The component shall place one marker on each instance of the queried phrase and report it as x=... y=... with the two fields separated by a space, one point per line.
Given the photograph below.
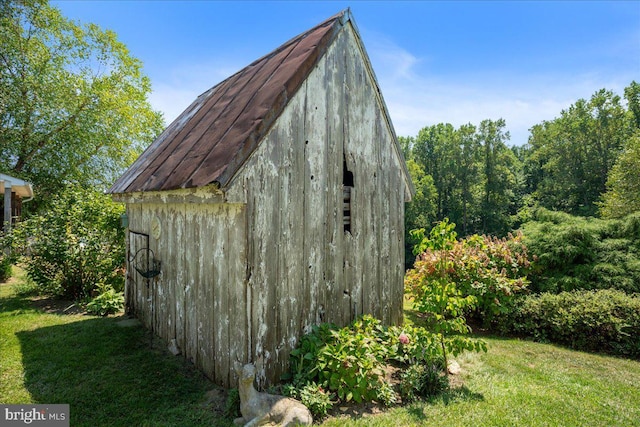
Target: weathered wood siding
x=200 y=298
x=247 y=271
x=303 y=267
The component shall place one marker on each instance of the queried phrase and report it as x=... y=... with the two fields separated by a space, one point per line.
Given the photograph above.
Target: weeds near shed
x=108 y=302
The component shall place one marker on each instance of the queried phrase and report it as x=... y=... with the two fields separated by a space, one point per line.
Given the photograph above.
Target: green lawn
x=520 y=383
x=108 y=374
x=111 y=376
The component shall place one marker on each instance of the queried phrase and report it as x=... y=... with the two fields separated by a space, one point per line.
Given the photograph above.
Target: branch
x=25 y=157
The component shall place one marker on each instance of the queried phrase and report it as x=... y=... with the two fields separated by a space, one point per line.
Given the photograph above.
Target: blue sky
x=454 y=62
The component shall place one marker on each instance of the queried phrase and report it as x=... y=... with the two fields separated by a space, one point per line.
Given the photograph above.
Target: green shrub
x=489 y=270
x=412 y=345
x=603 y=320
x=313 y=397
x=385 y=394
x=452 y=279
x=422 y=381
x=350 y=361
x=352 y=365
x=6 y=264
x=583 y=253
x=74 y=247
x=108 y=302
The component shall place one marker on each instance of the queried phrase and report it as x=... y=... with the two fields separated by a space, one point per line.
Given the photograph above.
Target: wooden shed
x=273 y=203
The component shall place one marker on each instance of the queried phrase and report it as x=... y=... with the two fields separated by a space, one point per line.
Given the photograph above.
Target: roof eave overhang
x=22 y=188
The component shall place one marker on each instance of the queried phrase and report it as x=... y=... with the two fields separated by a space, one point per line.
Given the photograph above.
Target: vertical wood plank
x=315 y=208
x=220 y=283
x=236 y=256
x=168 y=280
x=160 y=284
x=147 y=214
x=301 y=316
x=383 y=212
x=194 y=253
x=338 y=293
x=356 y=141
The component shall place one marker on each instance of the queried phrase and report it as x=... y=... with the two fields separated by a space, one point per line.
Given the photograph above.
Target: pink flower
x=403 y=338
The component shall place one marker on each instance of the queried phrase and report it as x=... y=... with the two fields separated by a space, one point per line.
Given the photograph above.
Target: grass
x=521 y=383
x=112 y=377
x=108 y=374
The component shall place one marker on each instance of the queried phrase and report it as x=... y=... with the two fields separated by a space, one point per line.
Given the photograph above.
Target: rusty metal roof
x=215 y=135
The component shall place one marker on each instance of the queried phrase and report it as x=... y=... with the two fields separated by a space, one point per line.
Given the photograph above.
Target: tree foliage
x=623 y=182
x=473 y=177
x=569 y=158
x=584 y=162
x=421 y=212
x=73 y=101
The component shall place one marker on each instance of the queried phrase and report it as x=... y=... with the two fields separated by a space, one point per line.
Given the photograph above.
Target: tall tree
x=499 y=163
x=473 y=171
x=623 y=185
x=436 y=150
x=632 y=95
x=421 y=211
x=570 y=157
x=468 y=174
x=73 y=101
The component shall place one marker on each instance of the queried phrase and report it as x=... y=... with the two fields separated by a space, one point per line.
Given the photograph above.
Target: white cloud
x=418 y=98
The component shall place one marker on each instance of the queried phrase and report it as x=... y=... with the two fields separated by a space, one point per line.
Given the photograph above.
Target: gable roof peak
x=211 y=140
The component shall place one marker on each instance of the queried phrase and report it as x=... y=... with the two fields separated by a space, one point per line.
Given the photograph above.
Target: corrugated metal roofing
x=214 y=136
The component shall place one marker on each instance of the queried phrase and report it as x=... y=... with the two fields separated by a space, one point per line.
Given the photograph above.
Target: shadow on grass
x=457 y=394
x=111 y=377
x=13 y=304
x=448 y=397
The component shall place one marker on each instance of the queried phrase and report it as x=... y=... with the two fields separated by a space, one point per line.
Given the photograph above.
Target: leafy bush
x=350 y=361
x=313 y=397
x=108 y=302
x=352 y=364
x=583 y=253
x=603 y=320
x=5 y=268
x=422 y=381
x=452 y=279
x=75 y=246
x=8 y=257
x=412 y=345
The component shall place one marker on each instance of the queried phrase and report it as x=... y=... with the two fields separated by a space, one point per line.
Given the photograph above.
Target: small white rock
x=453 y=368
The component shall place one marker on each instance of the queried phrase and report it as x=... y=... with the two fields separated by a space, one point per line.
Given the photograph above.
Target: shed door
x=137 y=291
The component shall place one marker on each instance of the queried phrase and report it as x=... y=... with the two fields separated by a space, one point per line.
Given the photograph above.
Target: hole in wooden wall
x=347 y=186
